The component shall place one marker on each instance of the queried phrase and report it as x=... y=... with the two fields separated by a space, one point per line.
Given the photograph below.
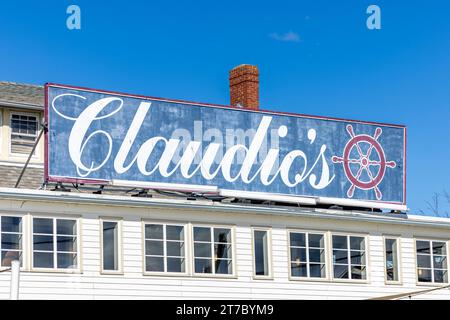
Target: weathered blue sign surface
x=100 y=136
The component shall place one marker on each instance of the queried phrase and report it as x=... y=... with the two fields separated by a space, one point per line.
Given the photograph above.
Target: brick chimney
x=244 y=87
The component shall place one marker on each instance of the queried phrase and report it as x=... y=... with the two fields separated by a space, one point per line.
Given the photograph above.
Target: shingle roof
x=32 y=178
x=19 y=93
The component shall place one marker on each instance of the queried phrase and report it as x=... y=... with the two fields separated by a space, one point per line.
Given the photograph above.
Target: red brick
x=244 y=86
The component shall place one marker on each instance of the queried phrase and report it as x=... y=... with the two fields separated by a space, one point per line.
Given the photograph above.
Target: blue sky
x=315 y=57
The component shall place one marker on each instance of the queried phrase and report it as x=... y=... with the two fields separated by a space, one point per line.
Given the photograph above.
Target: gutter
x=22 y=105
x=83 y=198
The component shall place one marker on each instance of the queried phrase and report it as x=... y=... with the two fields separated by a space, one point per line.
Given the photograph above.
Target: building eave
x=21 y=105
x=113 y=200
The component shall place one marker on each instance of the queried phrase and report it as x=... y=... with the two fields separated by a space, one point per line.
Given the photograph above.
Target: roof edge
x=21 y=105
x=55 y=196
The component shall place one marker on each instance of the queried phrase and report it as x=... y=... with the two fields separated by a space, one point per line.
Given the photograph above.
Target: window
x=11 y=240
x=55 y=243
x=392 y=259
x=23 y=133
x=213 y=250
x=431 y=261
x=261 y=253
x=307 y=255
x=111 y=246
x=165 y=249
x=349 y=257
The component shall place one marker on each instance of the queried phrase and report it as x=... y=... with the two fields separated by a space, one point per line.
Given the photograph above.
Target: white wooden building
x=86 y=278
x=110 y=245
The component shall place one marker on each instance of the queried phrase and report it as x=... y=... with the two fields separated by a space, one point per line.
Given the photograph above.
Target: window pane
x=391 y=245
x=9 y=256
x=110 y=245
x=440 y=262
x=154 y=231
x=424 y=275
x=66 y=227
x=440 y=276
x=155 y=264
x=43 y=260
x=24 y=124
x=223 y=266
x=298 y=270
x=202 y=234
x=222 y=251
x=41 y=225
x=423 y=246
x=339 y=242
x=175 y=265
x=175 y=249
x=44 y=243
x=317 y=255
x=358 y=272
x=431 y=261
x=261 y=253
x=202 y=250
x=32 y=127
x=423 y=261
x=154 y=248
x=357 y=243
x=391 y=260
x=298 y=254
x=11 y=241
x=11 y=224
x=340 y=271
x=174 y=233
x=67 y=260
x=317 y=270
x=390 y=273
x=439 y=248
x=298 y=239
x=357 y=257
x=66 y=243
x=15 y=124
x=222 y=235
x=316 y=240
x=340 y=256
x=203 y=266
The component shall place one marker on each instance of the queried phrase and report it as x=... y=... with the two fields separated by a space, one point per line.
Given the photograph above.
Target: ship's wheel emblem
x=354 y=167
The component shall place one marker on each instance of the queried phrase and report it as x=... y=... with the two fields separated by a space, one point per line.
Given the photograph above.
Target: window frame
x=325 y=234
x=23 y=239
x=77 y=220
x=399 y=259
x=119 y=222
x=233 y=250
x=366 y=251
x=268 y=230
x=186 y=228
x=36 y=154
x=447 y=251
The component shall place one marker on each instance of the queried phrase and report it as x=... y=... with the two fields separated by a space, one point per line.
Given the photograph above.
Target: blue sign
x=109 y=138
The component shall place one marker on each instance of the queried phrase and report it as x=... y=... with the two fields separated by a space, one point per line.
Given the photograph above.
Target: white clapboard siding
x=90 y=283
